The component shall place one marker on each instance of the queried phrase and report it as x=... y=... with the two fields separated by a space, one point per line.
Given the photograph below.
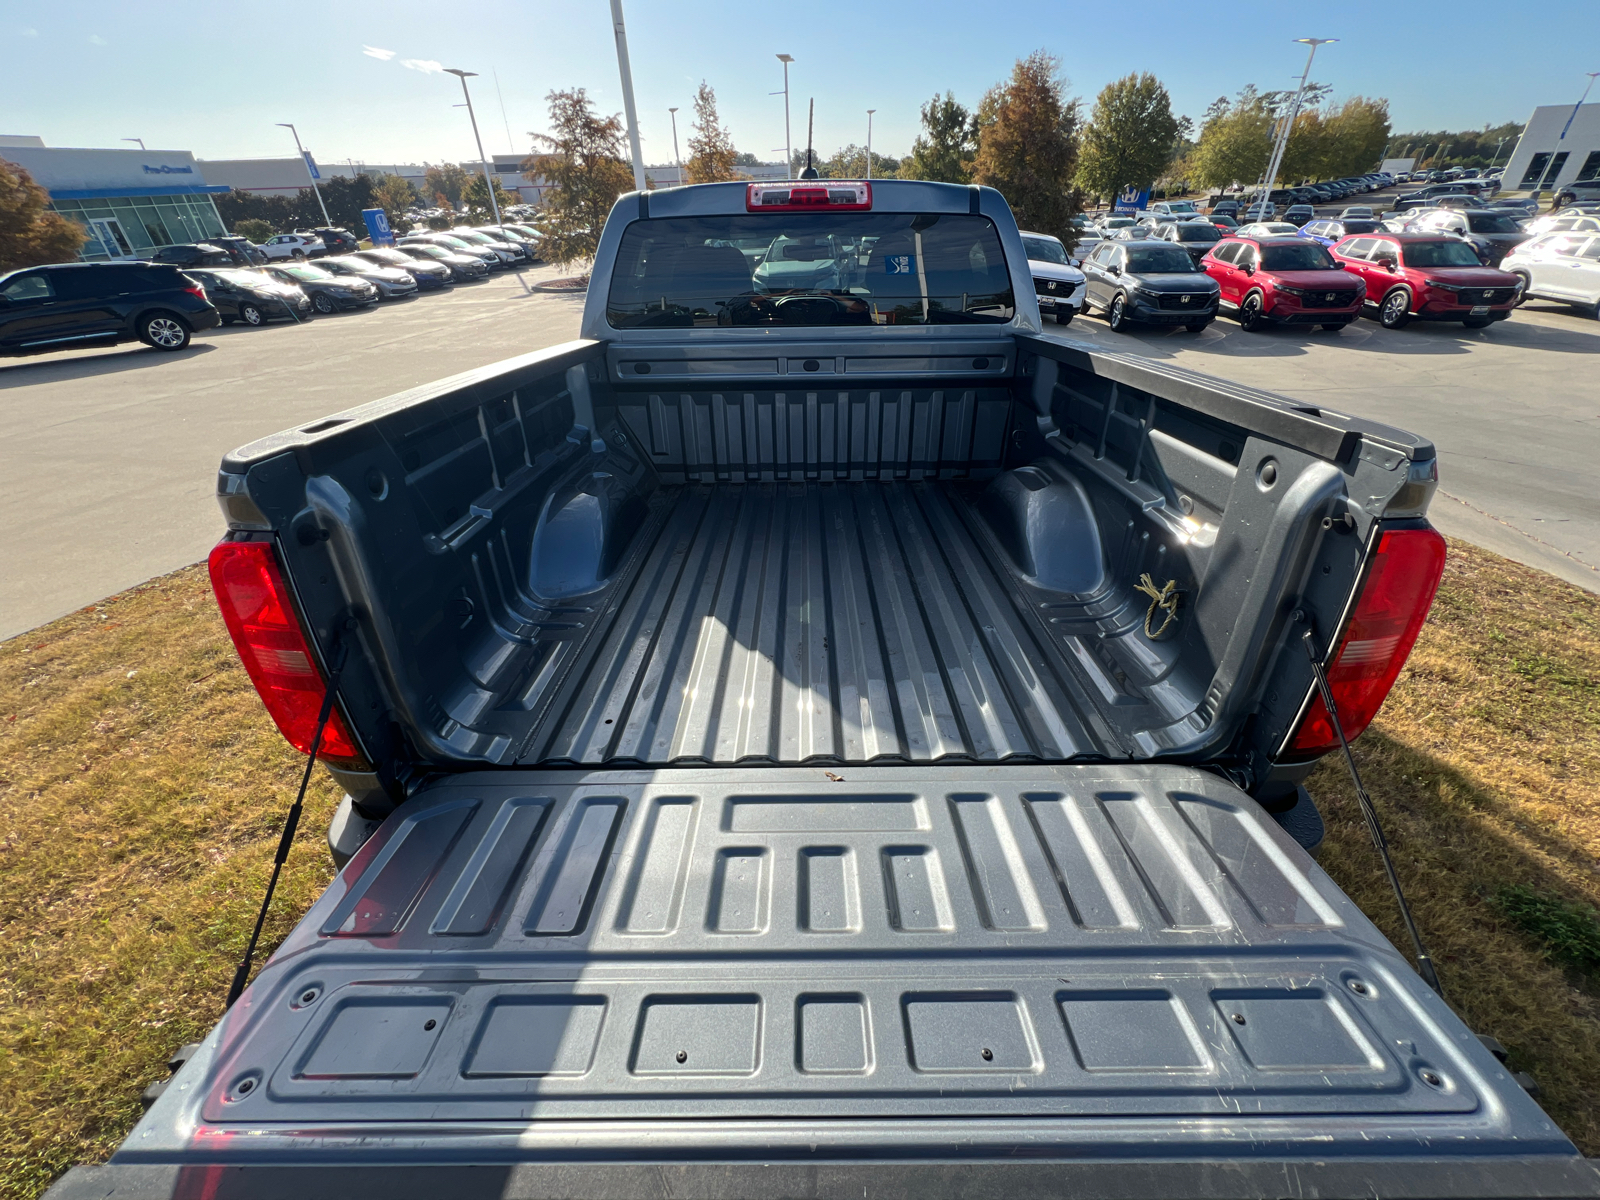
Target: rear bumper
x=203 y=320
x=820 y=1178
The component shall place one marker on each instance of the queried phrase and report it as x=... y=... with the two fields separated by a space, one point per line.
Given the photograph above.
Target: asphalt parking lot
x=108 y=458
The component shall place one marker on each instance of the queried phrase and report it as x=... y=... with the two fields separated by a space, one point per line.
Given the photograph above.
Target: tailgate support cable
x=292 y=822
x=1370 y=812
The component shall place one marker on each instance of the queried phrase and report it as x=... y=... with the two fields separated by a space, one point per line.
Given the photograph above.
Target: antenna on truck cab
x=810 y=172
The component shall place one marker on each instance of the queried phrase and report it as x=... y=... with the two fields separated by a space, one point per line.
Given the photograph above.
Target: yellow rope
x=1166 y=599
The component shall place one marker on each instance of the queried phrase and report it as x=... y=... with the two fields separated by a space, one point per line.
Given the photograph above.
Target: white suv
x=294 y=245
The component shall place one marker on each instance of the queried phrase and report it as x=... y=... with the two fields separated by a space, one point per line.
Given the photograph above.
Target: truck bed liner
x=836 y=622
x=1047 y=960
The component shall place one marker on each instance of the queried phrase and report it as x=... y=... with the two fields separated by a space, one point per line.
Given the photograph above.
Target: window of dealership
x=137 y=225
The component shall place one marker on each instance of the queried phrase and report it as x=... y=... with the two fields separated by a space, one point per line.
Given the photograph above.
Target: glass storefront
x=120 y=227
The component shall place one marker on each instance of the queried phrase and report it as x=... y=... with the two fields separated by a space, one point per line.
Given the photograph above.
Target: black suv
x=338 y=241
x=196 y=254
x=66 y=305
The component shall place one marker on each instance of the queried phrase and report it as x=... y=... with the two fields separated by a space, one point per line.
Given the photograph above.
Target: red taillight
x=259 y=612
x=1389 y=613
x=198 y=292
x=831 y=195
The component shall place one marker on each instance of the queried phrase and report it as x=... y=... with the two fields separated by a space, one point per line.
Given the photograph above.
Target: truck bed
x=796 y=965
x=837 y=622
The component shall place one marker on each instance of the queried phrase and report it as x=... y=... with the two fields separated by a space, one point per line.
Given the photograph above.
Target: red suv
x=1426 y=277
x=1283 y=280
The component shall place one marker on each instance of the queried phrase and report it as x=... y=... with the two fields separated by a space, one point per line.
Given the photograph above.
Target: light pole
x=870 y=111
x=1294 y=112
x=139 y=140
x=676 y=161
x=471 y=116
x=627 y=94
x=1551 y=161
x=788 y=144
x=326 y=219
x=1496 y=157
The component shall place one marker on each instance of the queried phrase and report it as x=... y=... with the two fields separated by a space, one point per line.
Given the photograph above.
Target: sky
x=363 y=81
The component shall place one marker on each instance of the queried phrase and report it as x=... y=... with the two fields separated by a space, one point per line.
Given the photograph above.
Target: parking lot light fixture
x=870 y=111
x=471 y=116
x=1294 y=113
x=676 y=161
x=306 y=162
x=788 y=142
x=139 y=140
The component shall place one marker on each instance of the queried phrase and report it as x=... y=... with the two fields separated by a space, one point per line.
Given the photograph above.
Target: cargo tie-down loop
x=1165 y=599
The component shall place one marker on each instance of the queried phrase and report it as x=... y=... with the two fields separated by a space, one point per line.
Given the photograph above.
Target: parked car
x=1151 y=283
x=294 y=245
x=428 y=274
x=1259 y=212
x=1087 y=240
x=1425 y=277
x=336 y=241
x=1223 y=221
x=245 y=252
x=462 y=267
x=393 y=283
x=1057 y=283
x=1298 y=214
x=1225 y=208
x=526 y=240
x=1327 y=232
x=1573 y=193
x=1195 y=237
x=1131 y=233
x=328 y=292
x=1283 y=280
x=1261 y=229
x=1357 y=210
x=456 y=245
x=1491 y=234
x=509 y=254
x=1173 y=208
x=66 y=305
x=1559 y=266
x=250 y=296
x=1568 y=220
x=1111 y=223
x=198 y=254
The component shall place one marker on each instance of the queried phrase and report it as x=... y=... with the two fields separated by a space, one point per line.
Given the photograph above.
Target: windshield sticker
x=899 y=264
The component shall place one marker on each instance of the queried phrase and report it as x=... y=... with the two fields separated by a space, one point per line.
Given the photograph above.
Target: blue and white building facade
x=131 y=202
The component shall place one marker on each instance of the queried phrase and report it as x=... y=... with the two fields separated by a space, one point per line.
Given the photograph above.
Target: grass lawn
x=142 y=787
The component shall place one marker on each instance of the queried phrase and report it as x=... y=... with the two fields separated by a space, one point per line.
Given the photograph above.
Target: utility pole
x=1294 y=111
x=627 y=95
x=676 y=161
x=788 y=144
x=326 y=219
x=483 y=162
x=1550 y=162
x=870 y=111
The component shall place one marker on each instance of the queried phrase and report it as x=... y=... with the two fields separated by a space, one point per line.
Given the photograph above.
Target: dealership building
x=130 y=201
x=1577 y=156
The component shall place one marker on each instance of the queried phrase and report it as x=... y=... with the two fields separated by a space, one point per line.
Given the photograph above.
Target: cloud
x=96 y=40
x=426 y=65
x=374 y=52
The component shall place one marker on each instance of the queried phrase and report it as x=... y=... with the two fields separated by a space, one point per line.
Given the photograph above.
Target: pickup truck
x=830 y=741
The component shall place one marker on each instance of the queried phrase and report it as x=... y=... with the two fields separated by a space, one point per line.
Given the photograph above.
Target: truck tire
x=1250 y=318
x=162 y=330
x=251 y=314
x=1394 y=311
x=1117 y=314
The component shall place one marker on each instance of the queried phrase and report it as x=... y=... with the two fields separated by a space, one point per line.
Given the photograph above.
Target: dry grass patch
x=142 y=787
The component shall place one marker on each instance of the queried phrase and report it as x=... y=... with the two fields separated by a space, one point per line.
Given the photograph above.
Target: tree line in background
x=1436 y=149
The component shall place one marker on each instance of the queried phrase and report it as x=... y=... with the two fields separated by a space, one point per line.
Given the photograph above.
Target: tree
x=1130 y=138
x=30 y=234
x=711 y=153
x=394 y=194
x=1235 y=141
x=586 y=171
x=745 y=159
x=1029 y=150
x=1357 y=132
x=276 y=212
x=254 y=229
x=443 y=185
x=476 y=196
x=944 y=150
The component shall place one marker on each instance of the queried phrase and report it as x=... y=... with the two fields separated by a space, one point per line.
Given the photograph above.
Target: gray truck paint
x=787 y=800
